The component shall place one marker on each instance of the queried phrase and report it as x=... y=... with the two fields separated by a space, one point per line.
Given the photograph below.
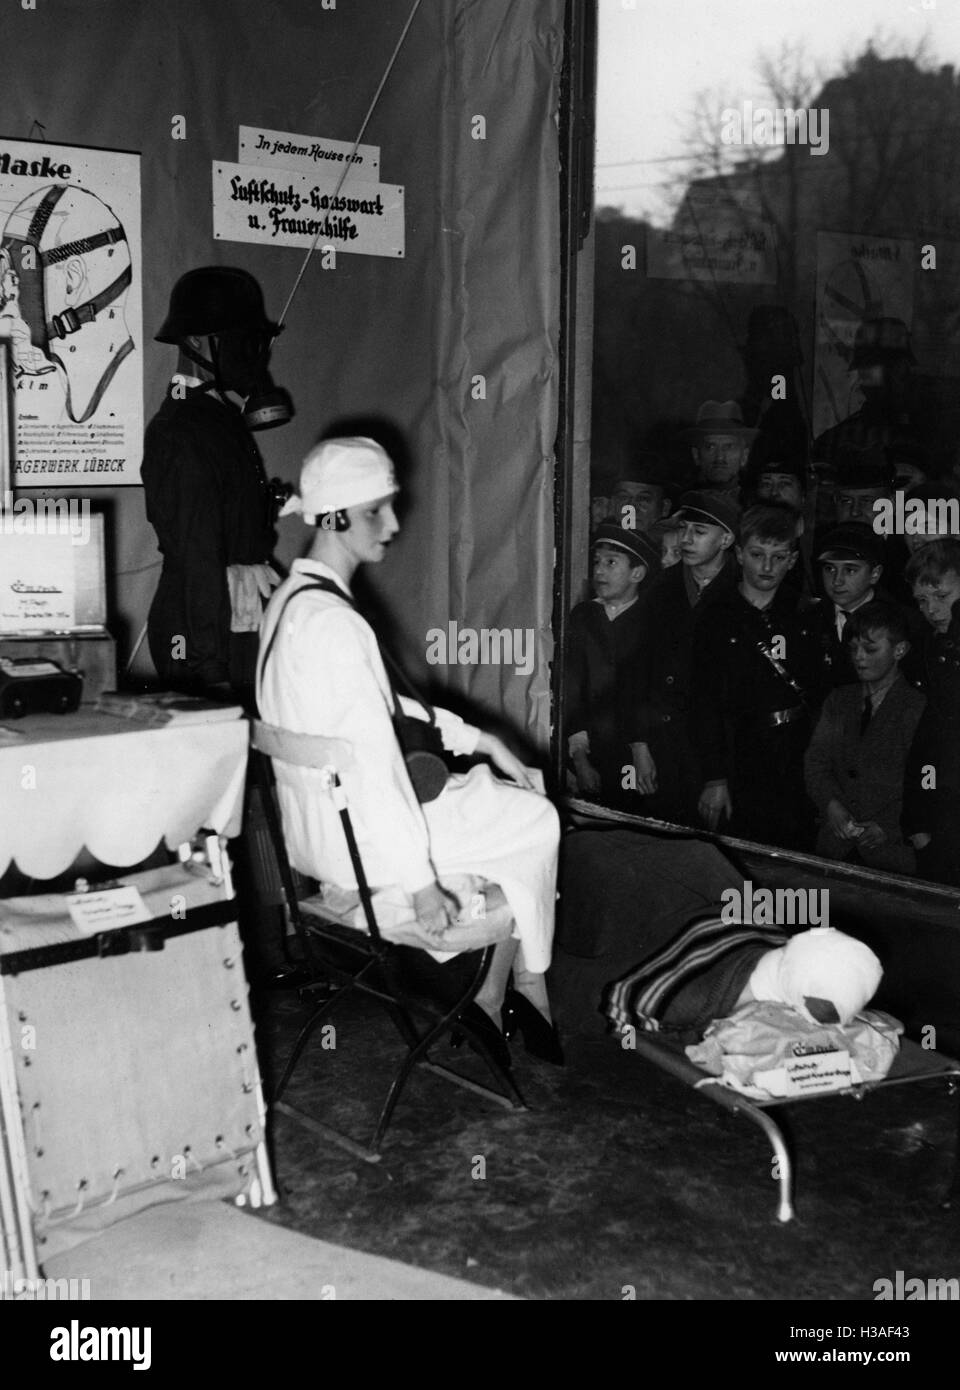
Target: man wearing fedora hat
x=644 y=494
x=657 y=696
x=720 y=443
x=601 y=650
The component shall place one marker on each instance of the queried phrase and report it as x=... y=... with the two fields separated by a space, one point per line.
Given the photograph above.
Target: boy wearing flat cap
x=601 y=651
x=777 y=472
x=666 y=778
x=850 y=559
x=862 y=479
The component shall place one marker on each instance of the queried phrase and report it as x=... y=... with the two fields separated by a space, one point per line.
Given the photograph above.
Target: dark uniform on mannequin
x=210 y=504
x=206 y=492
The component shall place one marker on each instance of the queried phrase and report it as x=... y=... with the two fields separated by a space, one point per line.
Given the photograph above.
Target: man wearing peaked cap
x=720 y=444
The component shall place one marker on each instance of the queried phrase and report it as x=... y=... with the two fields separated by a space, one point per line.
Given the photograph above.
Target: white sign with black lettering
x=271 y=206
x=308 y=153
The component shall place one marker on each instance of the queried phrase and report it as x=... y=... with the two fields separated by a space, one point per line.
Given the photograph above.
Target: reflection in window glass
x=774 y=427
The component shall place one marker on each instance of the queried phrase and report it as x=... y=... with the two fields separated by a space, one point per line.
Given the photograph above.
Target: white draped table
x=104 y=784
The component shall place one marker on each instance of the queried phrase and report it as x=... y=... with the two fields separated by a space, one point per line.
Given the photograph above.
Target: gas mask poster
x=71 y=308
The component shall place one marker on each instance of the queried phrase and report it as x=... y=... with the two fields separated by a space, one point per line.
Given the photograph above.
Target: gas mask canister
x=268 y=404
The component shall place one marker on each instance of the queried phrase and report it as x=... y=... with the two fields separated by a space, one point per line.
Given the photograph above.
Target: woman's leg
x=491 y=993
x=532 y=986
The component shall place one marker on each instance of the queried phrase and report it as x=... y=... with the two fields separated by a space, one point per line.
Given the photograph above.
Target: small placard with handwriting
x=106 y=908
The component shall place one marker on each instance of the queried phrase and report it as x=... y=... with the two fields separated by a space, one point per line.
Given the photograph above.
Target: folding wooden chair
x=342 y=941
x=913 y=1064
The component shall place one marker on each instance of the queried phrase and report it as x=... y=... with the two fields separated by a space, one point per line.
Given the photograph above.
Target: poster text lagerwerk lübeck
x=70 y=305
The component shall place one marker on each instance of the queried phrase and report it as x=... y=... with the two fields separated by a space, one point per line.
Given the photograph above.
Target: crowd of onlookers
x=772 y=651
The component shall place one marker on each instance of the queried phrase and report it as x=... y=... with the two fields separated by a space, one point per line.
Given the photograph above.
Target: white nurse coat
x=325 y=675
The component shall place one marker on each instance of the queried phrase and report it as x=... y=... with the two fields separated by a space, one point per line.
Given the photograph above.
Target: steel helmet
x=214 y=299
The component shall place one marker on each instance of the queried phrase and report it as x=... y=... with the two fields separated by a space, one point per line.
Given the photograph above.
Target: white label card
x=807 y=1074
x=107 y=908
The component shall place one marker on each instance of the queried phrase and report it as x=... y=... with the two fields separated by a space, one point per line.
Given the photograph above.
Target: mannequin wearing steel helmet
x=208 y=500
x=205 y=489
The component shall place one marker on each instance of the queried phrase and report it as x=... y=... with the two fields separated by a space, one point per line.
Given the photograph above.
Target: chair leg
x=418 y=1048
x=419 y=1055
x=509 y=1094
x=313 y=1022
x=327 y=1132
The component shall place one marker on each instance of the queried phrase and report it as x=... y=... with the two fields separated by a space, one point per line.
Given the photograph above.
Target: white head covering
x=822 y=963
x=341 y=473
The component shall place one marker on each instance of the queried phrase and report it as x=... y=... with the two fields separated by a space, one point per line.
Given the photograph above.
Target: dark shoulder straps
x=327 y=585
x=394 y=673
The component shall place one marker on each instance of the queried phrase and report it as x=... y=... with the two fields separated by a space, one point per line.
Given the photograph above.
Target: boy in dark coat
x=757 y=674
x=666 y=779
x=857 y=757
x=850 y=560
x=602 y=644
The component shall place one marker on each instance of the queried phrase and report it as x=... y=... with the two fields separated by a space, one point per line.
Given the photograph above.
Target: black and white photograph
x=479 y=676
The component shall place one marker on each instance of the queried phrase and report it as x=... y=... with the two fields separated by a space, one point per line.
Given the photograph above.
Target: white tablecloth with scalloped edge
x=94 y=781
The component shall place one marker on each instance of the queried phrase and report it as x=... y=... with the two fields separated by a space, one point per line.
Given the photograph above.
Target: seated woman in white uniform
x=321 y=672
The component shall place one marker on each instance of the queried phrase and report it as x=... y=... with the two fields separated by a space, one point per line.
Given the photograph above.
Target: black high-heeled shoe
x=540 y=1038
x=482 y=1024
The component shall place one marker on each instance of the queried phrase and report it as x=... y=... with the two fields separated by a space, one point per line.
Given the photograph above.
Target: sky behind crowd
x=655 y=56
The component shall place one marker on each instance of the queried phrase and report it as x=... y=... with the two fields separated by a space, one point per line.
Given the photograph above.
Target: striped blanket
x=693 y=979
